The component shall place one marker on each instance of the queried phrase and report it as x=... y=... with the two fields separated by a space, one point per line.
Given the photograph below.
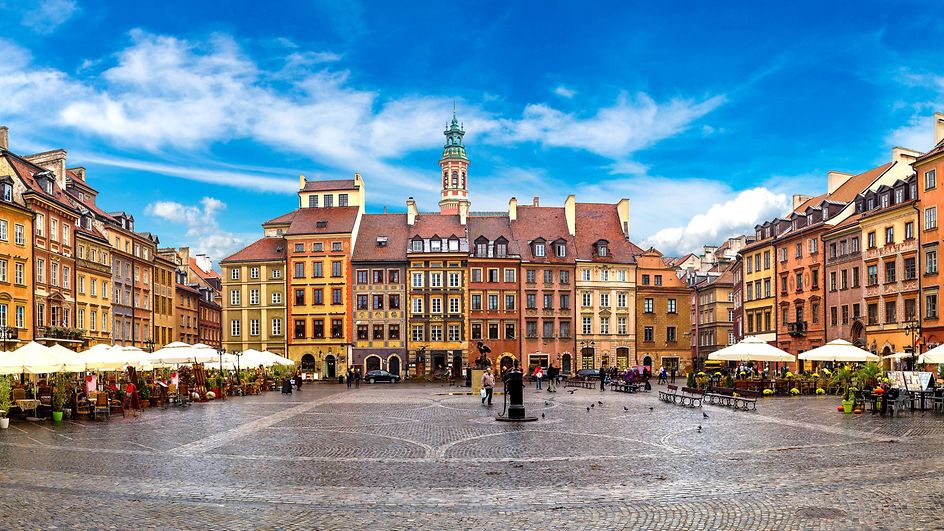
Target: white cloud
x=565 y=92
x=722 y=220
x=202 y=229
x=42 y=16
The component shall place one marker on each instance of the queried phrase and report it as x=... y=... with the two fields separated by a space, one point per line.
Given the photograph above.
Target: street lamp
x=149 y=344
x=7 y=333
x=913 y=330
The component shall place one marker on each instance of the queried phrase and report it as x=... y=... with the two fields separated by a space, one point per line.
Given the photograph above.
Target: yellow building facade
x=256 y=275
x=16 y=268
x=759 y=274
x=93 y=283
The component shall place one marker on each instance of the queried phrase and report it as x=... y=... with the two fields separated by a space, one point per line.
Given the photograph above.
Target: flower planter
x=4 y=423
x=847 y=406
x=57 y=416
x=145 y=403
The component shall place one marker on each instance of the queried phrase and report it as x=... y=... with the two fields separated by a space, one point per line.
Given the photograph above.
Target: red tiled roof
x=336 y=220
x=206 y=275
x=323 y=186
x=429 y=225
x=283 y=219
x=939 y=148
x=492 y=227
x=26 y=170
x=857 y=183
x=263 y=249
x=373 y=226
x=185 y=287
x=809 y=202
x=549 y=223
x=91 y=206
x=92 y=233
x=597 y=221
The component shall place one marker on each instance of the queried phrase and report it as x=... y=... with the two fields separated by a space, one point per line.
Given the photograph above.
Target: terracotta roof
x=857 y=183
x=548 y=223
x=324 y=186
x=598 y=221
x=493 y=227
x=185 y=287
x=206 y=275
x=810 y=202
x=26 y=170
x=92 y=233
x=263 y=249
x=284 y=219
x=393 y=227
x=939 y=148
x=91 y=206
x=323 y=220
x=429 y=225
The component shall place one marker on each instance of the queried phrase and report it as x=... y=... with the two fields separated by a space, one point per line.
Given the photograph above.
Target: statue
x=482 y=362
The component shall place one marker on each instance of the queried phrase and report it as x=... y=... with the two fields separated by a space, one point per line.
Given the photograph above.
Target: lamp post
x=150 y=345
x=913 y=330
x=6 y=334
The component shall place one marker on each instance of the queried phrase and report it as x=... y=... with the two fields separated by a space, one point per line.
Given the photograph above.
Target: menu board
x=910 y=380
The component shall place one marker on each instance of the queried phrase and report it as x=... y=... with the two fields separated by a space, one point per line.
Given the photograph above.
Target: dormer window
x=809 y=219
x=884 y=200
x=6 y=192
x=381 y=241
x=870 y=203
x=899 y=195
x=501 y=249
x=481 y=247
x=561 y=250
x=453 y=245
x=418 y=245
x=539 y=249
x=767 y=232
x=825 y=212
x=435 y=245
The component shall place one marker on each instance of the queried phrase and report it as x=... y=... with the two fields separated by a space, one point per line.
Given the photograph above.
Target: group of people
x=552 y=374
x=354 y=377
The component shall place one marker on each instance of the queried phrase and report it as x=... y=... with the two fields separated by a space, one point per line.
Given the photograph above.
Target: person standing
x=673 y=374
x=350 y=378
x=538 y=376
x=488 y=384
x=662 y=376
x=552 y=379
x=357 y=378
x=602 y=379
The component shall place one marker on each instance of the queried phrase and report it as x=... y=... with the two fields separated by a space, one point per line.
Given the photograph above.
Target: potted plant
x=868 y=375
x=794 y=392
x=5 y=401
x=768 y=392
x=60 y=396
x=144 y=393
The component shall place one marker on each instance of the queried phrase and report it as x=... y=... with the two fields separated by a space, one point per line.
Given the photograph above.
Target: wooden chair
x=102 y=406
x=82 y=407
x=173 y=397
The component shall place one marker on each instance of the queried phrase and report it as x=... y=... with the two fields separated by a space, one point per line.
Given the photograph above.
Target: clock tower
x=455 y=166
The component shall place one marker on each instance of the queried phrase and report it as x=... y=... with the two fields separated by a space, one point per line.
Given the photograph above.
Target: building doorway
x=393 y=365
x=586 y=358
x=372 y=363
x=456 y=364
x=622 y=358
x=331 y=370
x=535 y=360
x=506 y=362
x=566 y=363
x=308 y=363
x=647 y=364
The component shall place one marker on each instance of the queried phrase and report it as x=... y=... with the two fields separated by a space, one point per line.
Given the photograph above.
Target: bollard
x=514 y=389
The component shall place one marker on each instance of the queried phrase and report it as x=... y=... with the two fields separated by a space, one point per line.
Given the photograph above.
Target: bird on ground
x=572 y=391
x=545 y=403
x=593 y=405
x=598 y=402
x=699 y=428
x=704 y=415
x=588 y=410
x=542 y=415
x=650 y=409
x=625 y=408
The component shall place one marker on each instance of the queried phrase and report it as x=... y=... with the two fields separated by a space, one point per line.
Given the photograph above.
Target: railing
x=797 y=329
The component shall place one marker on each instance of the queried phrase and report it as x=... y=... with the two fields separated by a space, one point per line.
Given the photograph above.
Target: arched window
x=455 y=179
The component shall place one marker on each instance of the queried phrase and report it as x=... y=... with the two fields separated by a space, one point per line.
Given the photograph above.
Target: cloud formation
x=202 y=227
x=722 y=220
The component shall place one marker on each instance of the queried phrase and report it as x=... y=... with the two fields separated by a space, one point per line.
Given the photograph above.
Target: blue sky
x=199 y=118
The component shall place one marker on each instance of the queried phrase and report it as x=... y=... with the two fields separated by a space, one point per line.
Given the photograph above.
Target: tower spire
x=455 y=165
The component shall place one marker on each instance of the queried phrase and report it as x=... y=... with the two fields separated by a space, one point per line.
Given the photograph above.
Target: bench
x=738 y=399
x=685 y=396
x=586 y=384
x=625 y=387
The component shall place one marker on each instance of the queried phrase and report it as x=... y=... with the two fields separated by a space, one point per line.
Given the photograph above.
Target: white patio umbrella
x=933 y=356
x=171 y=354
x=67 y=357
x=838 y=350
x=250 y=358
x=898 y=356
x=281 y=360
x=752 y=348
x=204 y=353
x=31 y=358
x=229 y=363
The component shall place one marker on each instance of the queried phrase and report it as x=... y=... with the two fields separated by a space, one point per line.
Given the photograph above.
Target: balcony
x=797 y=329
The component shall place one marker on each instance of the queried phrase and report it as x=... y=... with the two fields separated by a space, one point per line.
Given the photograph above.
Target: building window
x=889 y=272
x=435 y=333
x=336 y=296
x=670 y=334
x=317 y=295
x=361 y=302
x=361 y=276
x=672 y=308
x=538 y=249
x=621 y=325
x=336 y=269
x=604 y=325
x=378 y=332
x=276 y=327
x=299 y=297
x=393 y=332
x=253 y=296
x=930 y=179
x=509 y=302
x=362 y=332
x=253 y=327
x=329 y=200
x=234 y=296
x=564 y=329
x=342 y=200
x=647 y=334
x=235 y=328
x=930 y=306
x=587 y=325
x=564 y=277
x=416 y=333
x=337 y=328
x=930 y=218
x=909 y=230
x=548 y=276
x=393 y=302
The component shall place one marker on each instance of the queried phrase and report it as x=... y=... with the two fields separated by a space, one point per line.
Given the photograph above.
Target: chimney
x=570 y=214
x=463 y=212
x=512 y=209
x=536 y=201
x=904 y=155
x=834 y=179
x=622 y=209
x=799 y=199
x=410 y=212
x=4 y=138
x=938 y=127
x=79 y=172
x=301 y=182
x=54 y=161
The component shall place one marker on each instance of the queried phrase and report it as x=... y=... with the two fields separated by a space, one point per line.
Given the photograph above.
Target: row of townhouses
x=333 y=287
x=75 y=274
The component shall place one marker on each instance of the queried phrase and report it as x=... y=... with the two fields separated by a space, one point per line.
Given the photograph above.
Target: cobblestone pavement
x=414 y=456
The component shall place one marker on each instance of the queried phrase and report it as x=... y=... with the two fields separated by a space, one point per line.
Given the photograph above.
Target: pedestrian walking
x=538 y=376
x=602 y=379
x=552 y=373
x=357 y=378
x=298 y=381
x=673 y=374
x=488 y=384
x=350 y=378
x=662 y=376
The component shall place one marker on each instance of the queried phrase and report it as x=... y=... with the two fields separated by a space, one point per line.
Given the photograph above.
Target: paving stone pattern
x=415 y=457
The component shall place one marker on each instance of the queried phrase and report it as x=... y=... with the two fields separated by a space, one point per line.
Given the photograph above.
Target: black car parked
x=378 y=375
